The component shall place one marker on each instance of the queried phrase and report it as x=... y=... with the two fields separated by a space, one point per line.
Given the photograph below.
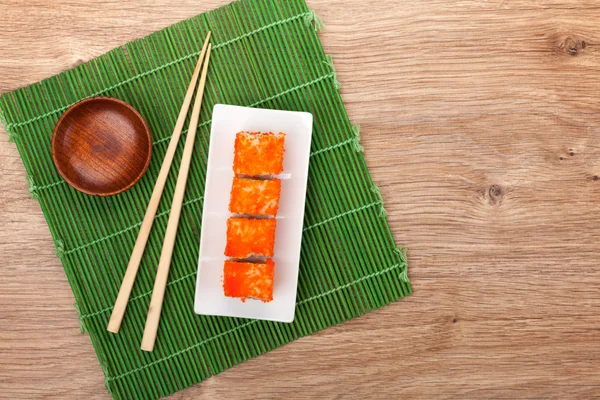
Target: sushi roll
x=249 y=280
x=250 y=237
x=255 y=197
x=258 y=154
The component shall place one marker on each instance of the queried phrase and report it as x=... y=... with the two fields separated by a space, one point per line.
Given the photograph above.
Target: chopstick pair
x=164 y=264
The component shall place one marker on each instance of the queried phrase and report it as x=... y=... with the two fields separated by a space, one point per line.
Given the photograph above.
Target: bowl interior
x=101 y=146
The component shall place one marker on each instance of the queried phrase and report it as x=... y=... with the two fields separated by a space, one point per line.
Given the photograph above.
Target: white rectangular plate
x=226 y=122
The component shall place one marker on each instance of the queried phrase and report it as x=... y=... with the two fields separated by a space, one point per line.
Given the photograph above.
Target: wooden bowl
x=101 y=146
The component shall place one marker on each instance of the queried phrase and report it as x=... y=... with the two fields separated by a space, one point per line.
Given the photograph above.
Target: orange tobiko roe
x=258 y=154
x=250 y=237
x=255 y=197
x=249 y=280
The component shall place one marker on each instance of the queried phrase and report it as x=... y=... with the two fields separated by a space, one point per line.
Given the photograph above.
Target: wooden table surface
x=480 y=124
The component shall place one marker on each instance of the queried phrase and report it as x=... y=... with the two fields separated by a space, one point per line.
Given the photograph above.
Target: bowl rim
x=146 y=131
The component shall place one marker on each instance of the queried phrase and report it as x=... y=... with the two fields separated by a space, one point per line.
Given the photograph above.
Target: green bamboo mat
x=266 y=54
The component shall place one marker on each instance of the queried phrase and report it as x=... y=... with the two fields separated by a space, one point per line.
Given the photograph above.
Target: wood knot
x=77 y=62
x=495 y=194
x=595 y=178
x=571 y=45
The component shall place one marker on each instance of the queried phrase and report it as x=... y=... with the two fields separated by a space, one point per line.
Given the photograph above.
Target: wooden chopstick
x=164 y=264
x=140 y=244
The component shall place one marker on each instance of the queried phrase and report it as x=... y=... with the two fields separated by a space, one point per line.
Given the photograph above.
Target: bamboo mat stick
x=164 y=264
x=140 y=244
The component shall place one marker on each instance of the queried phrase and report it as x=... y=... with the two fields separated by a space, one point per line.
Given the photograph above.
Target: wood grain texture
x=479 y=122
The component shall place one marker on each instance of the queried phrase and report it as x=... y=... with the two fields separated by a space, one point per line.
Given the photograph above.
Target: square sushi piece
x=249 y=280
x=255 y=197
x=250 y=237
x=258 y=154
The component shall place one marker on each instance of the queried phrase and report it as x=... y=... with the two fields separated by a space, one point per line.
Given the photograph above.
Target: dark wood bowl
x=101 y=146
